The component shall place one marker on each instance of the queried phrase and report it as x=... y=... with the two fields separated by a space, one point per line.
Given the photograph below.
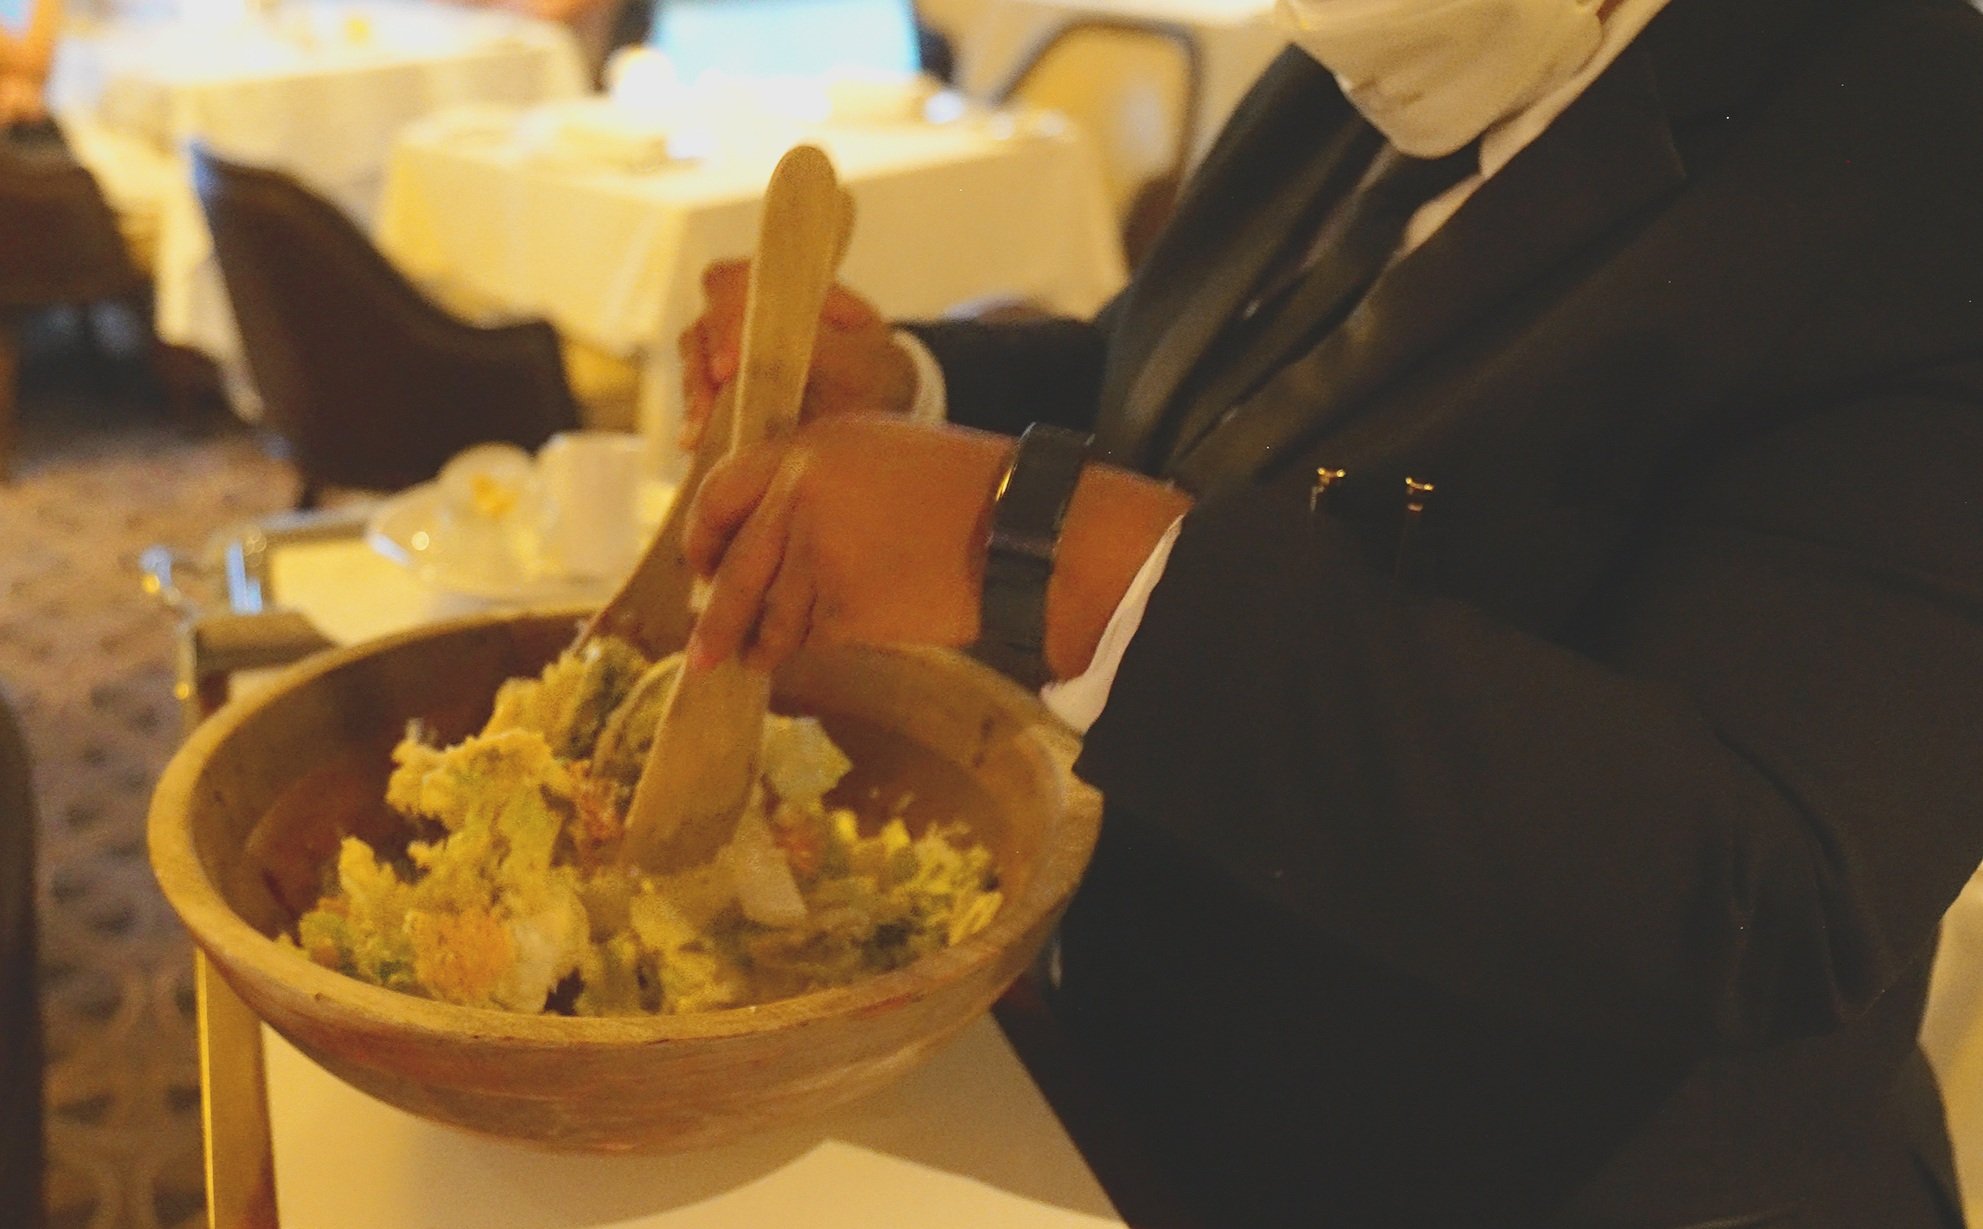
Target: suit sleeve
x=1006 y=376
x=1732 y=814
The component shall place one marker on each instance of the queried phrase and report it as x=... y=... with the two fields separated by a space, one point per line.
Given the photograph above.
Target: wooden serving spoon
x=703 y=760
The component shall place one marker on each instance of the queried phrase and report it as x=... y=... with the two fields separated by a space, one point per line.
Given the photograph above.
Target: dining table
x=999 y=1129
x=601 y=218
x=316 y=88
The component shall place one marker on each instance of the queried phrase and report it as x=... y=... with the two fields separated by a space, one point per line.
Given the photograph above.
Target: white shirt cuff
x=1079 y=700
x=932 y=399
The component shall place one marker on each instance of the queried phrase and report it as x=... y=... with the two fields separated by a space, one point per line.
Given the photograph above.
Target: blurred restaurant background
x=266 y=266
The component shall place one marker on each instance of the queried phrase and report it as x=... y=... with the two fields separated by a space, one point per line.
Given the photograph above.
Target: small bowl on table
x=259 y=796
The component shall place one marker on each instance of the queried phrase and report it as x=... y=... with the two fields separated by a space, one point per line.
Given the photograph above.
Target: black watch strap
x=1026 y=517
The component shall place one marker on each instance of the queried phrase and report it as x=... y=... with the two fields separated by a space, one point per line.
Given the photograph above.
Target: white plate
x=407 y=529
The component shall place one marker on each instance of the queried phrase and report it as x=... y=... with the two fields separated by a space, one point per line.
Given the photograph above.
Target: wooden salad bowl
x=261 y=793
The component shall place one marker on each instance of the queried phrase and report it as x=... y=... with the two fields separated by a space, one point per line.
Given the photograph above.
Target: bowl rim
x=337 y=998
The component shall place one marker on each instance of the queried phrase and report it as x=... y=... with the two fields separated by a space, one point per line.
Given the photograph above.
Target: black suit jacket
x=1574 y=854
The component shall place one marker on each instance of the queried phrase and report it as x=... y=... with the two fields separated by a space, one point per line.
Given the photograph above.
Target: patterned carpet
x=87 y=660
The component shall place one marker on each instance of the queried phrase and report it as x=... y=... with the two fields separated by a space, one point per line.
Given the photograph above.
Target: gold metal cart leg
x=234 y=1107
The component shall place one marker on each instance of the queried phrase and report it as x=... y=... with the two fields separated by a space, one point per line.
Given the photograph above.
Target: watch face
x=1034 y=495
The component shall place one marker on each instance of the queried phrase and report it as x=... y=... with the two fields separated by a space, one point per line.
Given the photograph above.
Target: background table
x=944 y=213
x=318 y=90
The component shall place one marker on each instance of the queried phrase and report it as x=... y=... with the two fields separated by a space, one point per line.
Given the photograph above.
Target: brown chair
x=366 y=381
x=59 y=245
x=1136 y=87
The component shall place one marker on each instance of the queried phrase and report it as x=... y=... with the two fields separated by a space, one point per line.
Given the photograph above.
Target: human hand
x=854 y=529
x=856 y=365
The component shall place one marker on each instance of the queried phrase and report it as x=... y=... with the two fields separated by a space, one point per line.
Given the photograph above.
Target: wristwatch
x=1027 y=510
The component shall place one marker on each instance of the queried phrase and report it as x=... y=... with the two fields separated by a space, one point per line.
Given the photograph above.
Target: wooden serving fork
x=703 y=760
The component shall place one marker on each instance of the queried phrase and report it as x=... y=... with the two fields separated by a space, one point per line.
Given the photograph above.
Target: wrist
x=1114 y=520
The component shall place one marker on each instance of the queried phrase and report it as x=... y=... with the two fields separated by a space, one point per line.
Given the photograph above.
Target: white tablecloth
x=317 y=89
x=1952 y=1036
x=965 y=1142
x=944 y=213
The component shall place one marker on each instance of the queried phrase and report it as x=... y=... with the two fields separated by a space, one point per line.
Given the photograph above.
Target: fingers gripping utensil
x=703 y=760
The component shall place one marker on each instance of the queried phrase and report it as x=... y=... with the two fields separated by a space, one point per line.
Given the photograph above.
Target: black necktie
x=1317 y=281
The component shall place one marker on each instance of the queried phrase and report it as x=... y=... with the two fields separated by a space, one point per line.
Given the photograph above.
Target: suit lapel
x=1608 y=158
x=1206 y=294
